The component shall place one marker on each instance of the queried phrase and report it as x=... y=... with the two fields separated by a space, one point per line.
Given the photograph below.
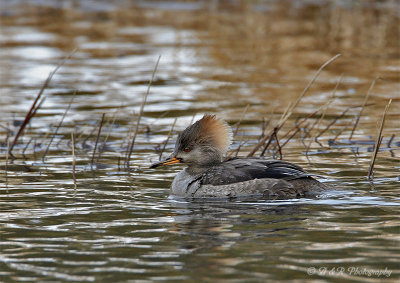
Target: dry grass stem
x=378 y=142
x=264 y=125
x=271 y=137
x=34 y=148
x=268 y=137
x=340 y=132
x=6 y=128
x=159 y=117
x=241 y=143
x=362 y=108
x=34 y=107
x=235 y=152
x=298 y=124
x=349 y=123
x=128 y=140
x=240 y=121
x=278 y=145
x=32 y=114
x=111 y=125
x=326 y=105
x=290 y=109
x=169 y=135
x=290 y=137
x=97 y=138
x=87 y=137
x=41 y=102
x=26 y=147
x=331 y=123
x=38 y=107
x=6 y=167
x=290 y=112
x=58 y=126
x=285 y=114
x=73 y=159
x=128 y=157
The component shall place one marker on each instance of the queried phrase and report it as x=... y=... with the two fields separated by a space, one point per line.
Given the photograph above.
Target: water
x=121 y=225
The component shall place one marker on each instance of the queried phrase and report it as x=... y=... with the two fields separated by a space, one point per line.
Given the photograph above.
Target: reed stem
x=97 y=138
x=378 y=142
x=58 y=126
x=32 y=111
x=289 y=112
x=73 y=160
x=169 y=135
x=128 y=157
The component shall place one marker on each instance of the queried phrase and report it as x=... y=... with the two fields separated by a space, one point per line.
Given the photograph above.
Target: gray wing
x=245 y=169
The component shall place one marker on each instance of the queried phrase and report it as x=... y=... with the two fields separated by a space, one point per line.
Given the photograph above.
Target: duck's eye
x=187 y=149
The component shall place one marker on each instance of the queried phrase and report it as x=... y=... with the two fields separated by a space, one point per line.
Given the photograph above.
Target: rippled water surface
x=118 y=223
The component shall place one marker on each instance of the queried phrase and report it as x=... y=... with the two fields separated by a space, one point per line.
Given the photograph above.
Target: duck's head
x=202 y=144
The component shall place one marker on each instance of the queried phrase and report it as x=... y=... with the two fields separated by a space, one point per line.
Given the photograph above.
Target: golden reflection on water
x=226 y=56
x=217 y=56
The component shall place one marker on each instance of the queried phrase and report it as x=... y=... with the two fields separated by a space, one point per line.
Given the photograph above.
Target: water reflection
x=219 y=56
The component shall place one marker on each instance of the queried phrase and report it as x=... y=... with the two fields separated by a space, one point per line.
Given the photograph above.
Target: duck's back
x=247 y=177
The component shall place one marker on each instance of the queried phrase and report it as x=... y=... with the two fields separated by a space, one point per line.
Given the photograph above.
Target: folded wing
x=240 y=170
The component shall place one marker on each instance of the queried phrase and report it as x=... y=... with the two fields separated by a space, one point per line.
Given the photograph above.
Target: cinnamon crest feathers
x=208 y=130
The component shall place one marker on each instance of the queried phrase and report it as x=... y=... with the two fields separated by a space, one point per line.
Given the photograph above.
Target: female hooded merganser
x=202 y=146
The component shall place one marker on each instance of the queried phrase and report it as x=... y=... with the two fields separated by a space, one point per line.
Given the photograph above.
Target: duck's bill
x=165 y=162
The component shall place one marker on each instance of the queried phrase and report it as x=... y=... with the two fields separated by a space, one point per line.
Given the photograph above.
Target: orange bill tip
x=165 y=162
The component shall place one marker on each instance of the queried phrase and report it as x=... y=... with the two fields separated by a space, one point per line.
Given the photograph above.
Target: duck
x=208 y=174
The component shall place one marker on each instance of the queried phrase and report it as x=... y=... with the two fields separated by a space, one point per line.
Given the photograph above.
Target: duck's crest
x=211 y=129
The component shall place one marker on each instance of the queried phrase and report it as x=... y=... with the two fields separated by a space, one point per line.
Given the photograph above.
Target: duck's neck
x=205 y=159
x=195 y=169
